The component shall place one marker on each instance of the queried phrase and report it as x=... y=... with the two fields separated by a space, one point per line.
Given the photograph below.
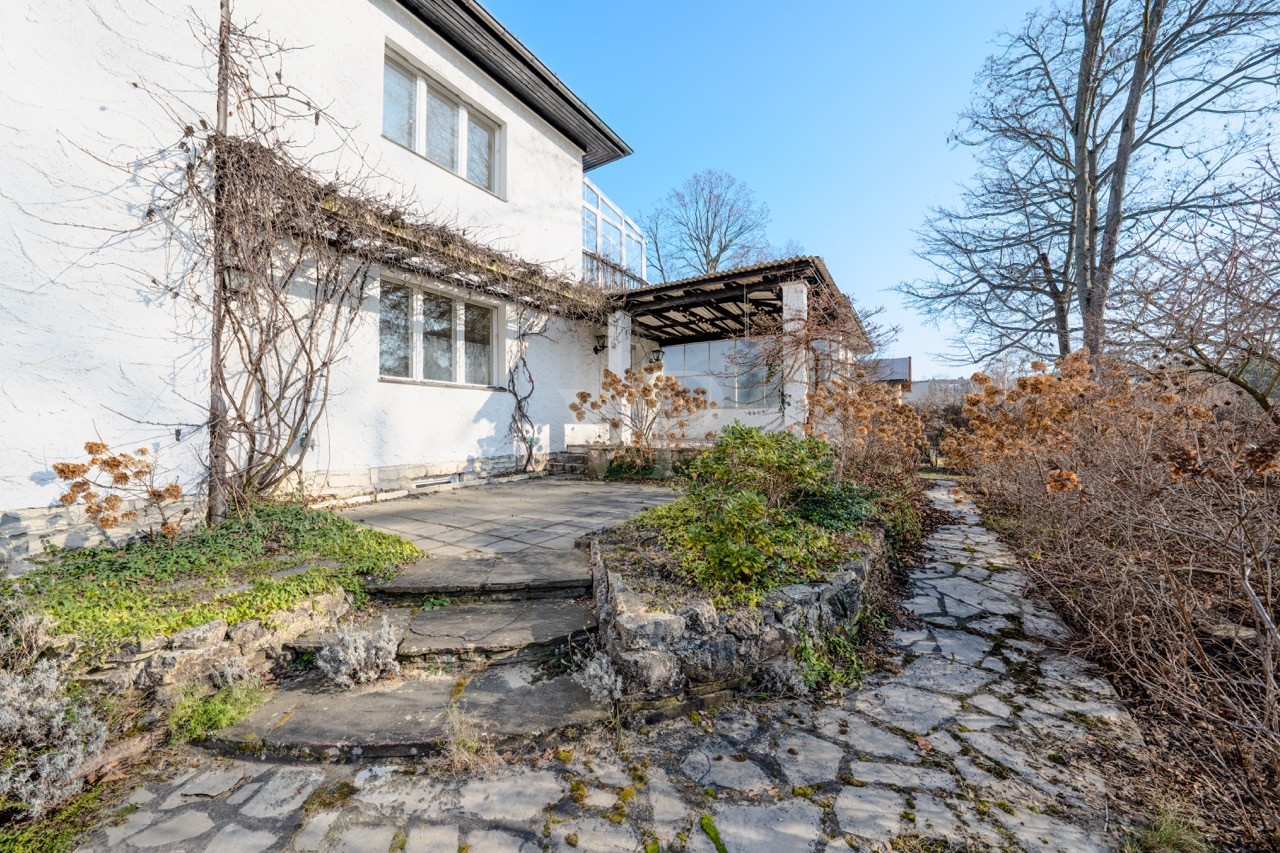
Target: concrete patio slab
x=509 y=518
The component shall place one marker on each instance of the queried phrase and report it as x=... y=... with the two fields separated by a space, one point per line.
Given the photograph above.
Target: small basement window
x=428 y=119
x=424 y=335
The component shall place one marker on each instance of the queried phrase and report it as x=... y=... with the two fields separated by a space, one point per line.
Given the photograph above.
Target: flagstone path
x=986 y=738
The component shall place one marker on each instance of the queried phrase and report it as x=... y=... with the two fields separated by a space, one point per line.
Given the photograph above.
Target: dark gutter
x=478 y=36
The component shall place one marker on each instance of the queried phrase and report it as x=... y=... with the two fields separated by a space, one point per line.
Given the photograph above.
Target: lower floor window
x=732 y=372
x=425 y=335
x=477 y=336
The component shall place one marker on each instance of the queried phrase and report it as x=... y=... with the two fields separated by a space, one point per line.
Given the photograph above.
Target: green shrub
x=732 y=543
x=108 y=594
x=743 y=543
x=762 y=511
x=195 y=715
x=836 y=507
x=630 y=464
x=904 y=527
x=776 y=465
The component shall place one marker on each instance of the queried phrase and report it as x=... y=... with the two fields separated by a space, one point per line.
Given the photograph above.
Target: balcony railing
x=608 y=275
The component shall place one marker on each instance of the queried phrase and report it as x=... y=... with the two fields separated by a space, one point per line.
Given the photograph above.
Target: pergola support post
x=618 y=361
x=795 y=375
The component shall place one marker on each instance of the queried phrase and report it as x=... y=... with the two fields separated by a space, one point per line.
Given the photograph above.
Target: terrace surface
x=547 y=514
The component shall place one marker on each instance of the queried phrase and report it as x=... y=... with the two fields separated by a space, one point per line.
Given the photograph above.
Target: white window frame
x=603 y=202
x=457 y=300
x=772 y=396
x=466 y=110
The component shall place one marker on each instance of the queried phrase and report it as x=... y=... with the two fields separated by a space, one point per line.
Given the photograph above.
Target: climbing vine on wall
x=279 y=253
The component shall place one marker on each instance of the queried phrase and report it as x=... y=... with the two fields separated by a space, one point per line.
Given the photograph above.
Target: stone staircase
x=472 y=637
x=523 y=608
x=481 y=625
x=569 y=463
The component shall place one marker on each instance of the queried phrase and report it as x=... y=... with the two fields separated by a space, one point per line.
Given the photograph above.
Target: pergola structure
x=739 y=303
x=726 y=304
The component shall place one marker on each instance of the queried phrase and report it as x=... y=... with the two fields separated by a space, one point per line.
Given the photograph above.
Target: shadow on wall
x=25 y=533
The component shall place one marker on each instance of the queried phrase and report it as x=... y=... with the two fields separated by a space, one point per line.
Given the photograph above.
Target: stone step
x=505 y=631
x=566 y=469
x=411 y=716
x=531 y=573
x=490 y=632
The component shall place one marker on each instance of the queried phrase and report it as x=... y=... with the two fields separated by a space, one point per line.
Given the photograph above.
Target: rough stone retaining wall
x=197 y=653
x=699 y=655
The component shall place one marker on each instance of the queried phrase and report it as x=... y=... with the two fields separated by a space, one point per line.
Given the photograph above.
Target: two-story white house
x=441 y=103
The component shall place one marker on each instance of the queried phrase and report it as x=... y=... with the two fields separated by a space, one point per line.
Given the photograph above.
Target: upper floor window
x=612 y=240
x=426 y=335
x=424 y=117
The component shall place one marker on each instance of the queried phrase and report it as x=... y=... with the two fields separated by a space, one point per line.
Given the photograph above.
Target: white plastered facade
x=91 y=348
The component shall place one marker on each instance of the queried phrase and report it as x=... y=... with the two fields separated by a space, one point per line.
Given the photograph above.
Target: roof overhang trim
x=479 y=36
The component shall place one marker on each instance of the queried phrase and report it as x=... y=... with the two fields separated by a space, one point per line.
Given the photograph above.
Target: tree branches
x=710 y=222
x=1099 y=129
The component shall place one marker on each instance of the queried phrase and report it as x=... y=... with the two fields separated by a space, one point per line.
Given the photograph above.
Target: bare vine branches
x=282 y=254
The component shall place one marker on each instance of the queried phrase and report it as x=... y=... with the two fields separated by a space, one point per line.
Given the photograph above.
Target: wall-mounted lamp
x=234 y=281
x=656 y=356
x=602 y=343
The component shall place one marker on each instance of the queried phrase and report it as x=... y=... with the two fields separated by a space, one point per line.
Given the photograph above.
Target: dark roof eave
x=809 y=268
x=482 y=39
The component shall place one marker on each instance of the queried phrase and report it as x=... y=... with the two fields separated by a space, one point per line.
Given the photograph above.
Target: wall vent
x=435 y=481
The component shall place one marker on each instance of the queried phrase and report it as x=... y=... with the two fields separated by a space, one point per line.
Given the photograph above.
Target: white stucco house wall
x=440 y=104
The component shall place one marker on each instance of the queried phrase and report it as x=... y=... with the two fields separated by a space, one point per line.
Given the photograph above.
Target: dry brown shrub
x=878 y=440
x=109 y=484
x=1152 y=509
x=652 y=409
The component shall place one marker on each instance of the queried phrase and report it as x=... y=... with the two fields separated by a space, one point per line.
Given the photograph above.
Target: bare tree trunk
x=1093 y=305
x=1061 y=305
x=1085 y=183
x=217 y=490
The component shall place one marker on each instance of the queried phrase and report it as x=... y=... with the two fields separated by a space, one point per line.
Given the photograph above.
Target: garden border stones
x=698 y=656
x=196 y=653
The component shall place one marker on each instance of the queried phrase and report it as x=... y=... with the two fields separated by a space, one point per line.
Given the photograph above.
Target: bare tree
x=1214 y=309
x=1101 y=126
x=711 y=221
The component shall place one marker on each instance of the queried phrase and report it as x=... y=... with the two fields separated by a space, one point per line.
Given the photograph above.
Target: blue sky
x=836 y=112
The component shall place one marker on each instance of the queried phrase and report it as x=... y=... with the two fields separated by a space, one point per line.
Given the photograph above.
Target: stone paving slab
x=412 y=715
x=985 y=738
x=496 y=630
x=509 y=518
x=532 y=572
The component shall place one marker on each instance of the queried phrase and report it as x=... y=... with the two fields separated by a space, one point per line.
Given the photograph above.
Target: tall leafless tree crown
x=1213 y=307
x=1099 y=126
x=710 y=222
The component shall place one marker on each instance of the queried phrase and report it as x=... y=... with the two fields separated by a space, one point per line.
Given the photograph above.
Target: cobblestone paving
x=986 y=738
